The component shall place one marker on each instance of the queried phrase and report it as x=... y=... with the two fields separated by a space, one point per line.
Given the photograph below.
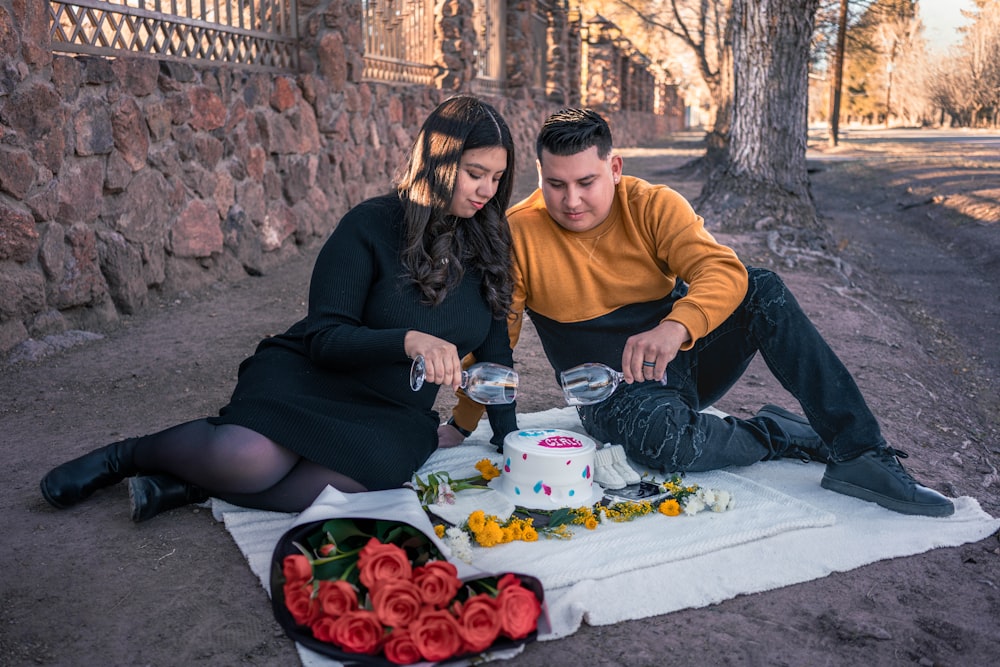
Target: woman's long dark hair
x=438 y=247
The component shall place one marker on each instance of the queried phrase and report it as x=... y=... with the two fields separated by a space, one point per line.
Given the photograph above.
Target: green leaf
x=331 y=570
x=347 y=534
x=560 y=517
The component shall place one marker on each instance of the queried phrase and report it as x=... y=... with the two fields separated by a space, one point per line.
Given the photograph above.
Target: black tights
x=238 y=465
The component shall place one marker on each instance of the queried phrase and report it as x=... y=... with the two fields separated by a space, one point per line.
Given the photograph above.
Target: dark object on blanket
x=311 y=536
x=634 y=492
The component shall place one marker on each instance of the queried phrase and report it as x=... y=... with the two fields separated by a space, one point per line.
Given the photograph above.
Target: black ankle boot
x=153 y=494
x=798 y=438
x=74 y=481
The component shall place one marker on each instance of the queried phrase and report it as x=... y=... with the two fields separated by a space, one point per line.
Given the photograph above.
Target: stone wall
x=126 y=178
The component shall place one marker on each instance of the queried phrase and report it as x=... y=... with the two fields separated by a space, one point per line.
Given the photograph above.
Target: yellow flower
x=529 y=534
x=476 y=521
x=490 y=535
x=590 y=523
x=439 y=530
x=515 y=529
x=487 y=469
x=582 y=515
x=670 y=507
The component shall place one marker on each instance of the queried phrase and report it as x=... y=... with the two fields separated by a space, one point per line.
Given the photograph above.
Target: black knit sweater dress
x=334 y=388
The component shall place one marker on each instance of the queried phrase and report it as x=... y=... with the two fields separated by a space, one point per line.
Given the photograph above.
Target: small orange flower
x=487 y=469
x=670 y=507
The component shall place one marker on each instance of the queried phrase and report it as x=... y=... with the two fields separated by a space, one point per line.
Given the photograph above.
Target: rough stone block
x=12 y=332
x=92 y=127
x=18 y=237
x=22 y=292
x=17 y=172
x=82 y=282
x=208 y=109
x=81 y=186
x=196 y=232
x=279 y=224
x=121 y=264
x=131 y=135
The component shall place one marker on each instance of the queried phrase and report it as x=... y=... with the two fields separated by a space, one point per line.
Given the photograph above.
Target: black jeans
x=661 y=427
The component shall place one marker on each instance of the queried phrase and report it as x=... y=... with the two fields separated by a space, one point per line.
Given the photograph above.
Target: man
x=615 y=270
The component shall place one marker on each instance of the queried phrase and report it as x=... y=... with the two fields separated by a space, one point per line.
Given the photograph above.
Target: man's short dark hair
x=570 y=131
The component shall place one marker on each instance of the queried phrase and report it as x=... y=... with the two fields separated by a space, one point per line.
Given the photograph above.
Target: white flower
x=693 y=505
x=445 y=495
x=706 y=496
x=458 y=541
x=723 y=501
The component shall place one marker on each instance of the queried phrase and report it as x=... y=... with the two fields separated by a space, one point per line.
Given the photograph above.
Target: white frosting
x=547 y=468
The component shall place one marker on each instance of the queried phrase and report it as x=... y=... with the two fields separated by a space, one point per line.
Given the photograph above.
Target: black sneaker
x=799 y=439
x=877 y=476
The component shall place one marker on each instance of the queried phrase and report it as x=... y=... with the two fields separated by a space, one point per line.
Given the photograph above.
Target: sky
x=941 y=18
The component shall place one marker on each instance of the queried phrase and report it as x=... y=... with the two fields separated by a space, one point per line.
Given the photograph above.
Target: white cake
x=549 y=468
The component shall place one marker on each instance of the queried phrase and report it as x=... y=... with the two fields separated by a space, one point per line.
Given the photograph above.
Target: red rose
x=396 y=602
x=519 y=610
x=436 y=634
x=296 y=568
x=300 y=603
x=322 y=628
x=358 y=632
x=377 y=562
x=506 y=580
x=479 y=622
x=336 y=598
x=400 y=649
x=438 y=582
x=326 y=549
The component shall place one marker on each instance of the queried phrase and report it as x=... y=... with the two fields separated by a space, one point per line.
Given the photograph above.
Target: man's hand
x=647 y=354
x=448 y=436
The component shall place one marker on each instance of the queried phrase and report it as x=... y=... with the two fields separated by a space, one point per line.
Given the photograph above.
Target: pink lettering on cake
x=560 y=442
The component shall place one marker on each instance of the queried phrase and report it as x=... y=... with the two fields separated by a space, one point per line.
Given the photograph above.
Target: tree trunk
x=837 y=84
x=717 y=139
x=763 y=181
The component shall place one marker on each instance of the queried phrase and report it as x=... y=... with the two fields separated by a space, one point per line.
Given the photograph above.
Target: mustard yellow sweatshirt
x=588 y=292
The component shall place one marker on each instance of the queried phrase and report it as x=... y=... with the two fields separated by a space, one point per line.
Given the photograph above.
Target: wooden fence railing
x=259 y=34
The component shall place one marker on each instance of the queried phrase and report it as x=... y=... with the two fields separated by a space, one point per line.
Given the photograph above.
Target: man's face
x=579 y=189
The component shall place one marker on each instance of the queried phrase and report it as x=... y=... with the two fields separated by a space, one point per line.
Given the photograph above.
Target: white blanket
x=783 y=522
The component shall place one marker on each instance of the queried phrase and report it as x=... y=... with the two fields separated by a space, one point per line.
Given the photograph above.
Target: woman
x=423 y=271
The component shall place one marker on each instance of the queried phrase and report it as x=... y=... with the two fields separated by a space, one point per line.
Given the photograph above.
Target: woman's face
x=479 y=173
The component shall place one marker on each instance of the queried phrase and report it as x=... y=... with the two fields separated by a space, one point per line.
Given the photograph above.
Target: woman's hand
x=441 y=362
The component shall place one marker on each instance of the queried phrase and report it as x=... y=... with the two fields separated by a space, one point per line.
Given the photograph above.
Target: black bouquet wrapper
x=303 y=635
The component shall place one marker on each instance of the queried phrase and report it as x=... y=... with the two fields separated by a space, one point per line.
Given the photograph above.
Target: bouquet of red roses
x=372 y=587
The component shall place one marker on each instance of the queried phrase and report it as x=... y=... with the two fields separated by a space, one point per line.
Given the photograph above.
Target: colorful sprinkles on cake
x=548 y=467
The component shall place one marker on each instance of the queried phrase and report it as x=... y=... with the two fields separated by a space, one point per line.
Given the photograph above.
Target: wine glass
x=483 y=382
x=591 y=383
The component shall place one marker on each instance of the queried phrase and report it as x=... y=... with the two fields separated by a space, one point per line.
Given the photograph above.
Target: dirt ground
x=907 y=296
